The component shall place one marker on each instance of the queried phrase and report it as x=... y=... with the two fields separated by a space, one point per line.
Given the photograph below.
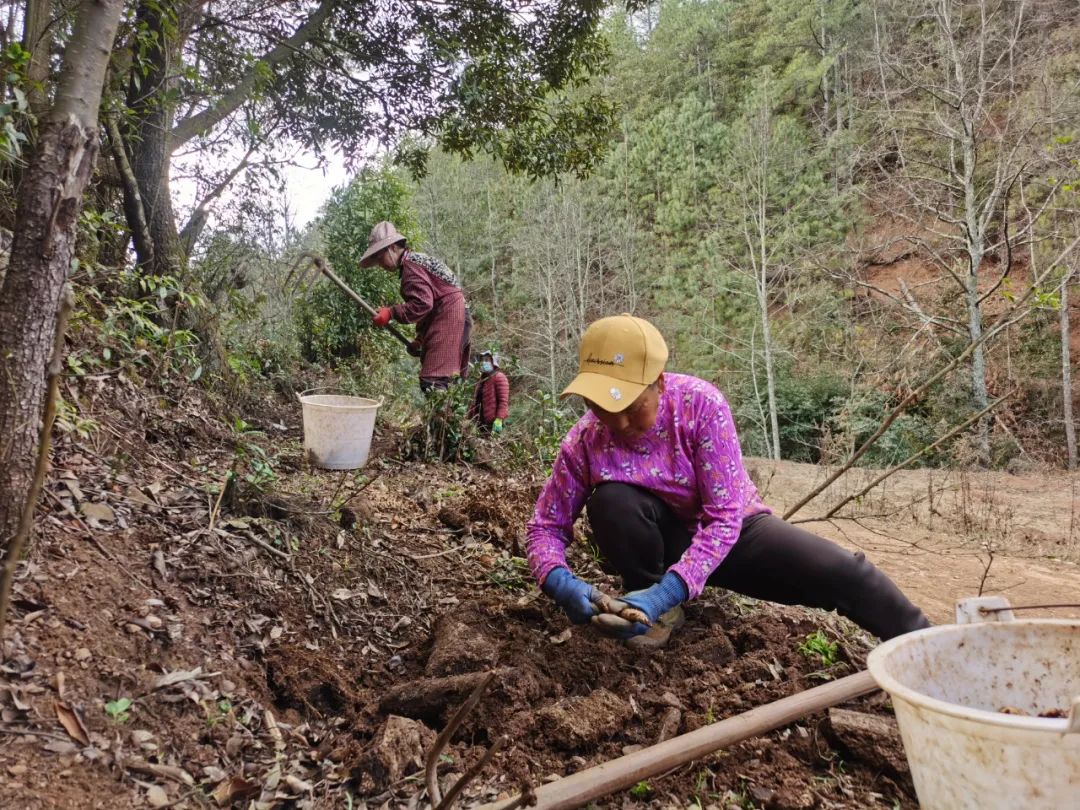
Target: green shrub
x=445 y=432
x=540 y=423
x=330 y=324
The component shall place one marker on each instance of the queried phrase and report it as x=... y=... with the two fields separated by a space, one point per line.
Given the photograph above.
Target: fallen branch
x=154 y=769
x=275 y=551
x=908 y=461
x=431 y=762
x=585 y=786
x=469 y=775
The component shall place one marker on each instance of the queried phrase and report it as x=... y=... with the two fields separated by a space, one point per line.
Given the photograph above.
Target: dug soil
x=298 y=638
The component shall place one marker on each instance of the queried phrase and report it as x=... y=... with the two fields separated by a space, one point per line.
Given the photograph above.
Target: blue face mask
x=486 y=367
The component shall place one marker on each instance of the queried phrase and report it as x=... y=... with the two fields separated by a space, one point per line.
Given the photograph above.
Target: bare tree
x=755 y=152
x=49 y=200
x=777 y=190
x=960 y=138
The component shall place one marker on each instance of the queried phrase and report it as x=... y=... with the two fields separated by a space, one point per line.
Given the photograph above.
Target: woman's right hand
x=573 y=595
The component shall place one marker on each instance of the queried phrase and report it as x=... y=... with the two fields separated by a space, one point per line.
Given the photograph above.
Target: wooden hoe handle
x=582 y=787
x=324 y=268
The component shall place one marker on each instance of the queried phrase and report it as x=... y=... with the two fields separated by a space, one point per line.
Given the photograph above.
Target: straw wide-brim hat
x=383 y=235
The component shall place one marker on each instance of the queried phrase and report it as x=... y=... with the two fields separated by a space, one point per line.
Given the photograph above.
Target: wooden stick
x=452 y=794
x=593 y=783
x=324 y=268
x=431 y=765
x=26 y=520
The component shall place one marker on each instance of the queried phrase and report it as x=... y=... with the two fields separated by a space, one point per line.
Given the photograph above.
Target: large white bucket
x=338 y=429
x=948 y=685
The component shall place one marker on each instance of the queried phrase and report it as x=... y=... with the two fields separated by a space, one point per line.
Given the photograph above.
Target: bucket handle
x=304 y=393
x=300 y=396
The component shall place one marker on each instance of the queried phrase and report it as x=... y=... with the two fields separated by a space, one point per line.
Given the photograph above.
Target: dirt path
x=933 y=531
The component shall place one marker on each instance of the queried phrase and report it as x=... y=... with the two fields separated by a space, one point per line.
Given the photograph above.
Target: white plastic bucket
x=338 y=429
x=948 y=685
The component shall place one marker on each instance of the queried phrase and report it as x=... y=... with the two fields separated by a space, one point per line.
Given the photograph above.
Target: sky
x=308 y=188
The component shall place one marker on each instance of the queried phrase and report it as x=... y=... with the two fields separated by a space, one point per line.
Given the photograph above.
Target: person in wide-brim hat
x=382 y=236
x=431 y=298
x=656 y=463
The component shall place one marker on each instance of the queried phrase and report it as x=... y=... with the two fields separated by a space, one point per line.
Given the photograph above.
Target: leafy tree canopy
x=343 y=73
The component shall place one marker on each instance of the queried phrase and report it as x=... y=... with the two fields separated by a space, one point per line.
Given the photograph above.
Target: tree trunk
x=763 y=280
x=770 y=375
x=979 y=395
x=154 y=138
x=150 y=141
x=974 y=234
x=49 y=200
x=38 y=38
x=1066 y=374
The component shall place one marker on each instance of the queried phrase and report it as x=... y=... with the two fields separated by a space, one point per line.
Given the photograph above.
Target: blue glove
x=571 y=594
x=656 y=600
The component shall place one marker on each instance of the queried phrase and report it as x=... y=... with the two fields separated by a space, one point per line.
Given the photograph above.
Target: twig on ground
x=460 y=785
x=16 y=732
x=431 y=763
x=154 y=769
x=221 y=495
x=331 y=615
x=986 y=570
x=442 y=553
x=267 y=546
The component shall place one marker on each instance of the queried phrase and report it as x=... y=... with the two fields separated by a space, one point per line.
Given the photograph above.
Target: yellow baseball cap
x=619 y=357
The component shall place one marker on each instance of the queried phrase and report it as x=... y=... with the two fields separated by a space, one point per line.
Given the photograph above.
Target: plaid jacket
x=436 y=304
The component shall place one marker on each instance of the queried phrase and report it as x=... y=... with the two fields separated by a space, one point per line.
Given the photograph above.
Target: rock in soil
x=716 y=651
x=870 y=738
x=578 y=722
x=459 y=648
x=396 y=751
x=669 y=724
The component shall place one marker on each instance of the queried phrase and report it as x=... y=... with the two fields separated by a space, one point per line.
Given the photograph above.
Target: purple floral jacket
x=690 y=459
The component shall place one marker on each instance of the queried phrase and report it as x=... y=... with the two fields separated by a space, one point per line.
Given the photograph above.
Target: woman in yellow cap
x=656 y=462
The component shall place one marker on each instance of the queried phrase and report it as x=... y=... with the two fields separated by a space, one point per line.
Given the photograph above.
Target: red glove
x=382 y=317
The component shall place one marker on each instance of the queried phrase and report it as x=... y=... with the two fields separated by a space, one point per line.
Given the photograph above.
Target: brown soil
x=277 y=653
x=943 y=535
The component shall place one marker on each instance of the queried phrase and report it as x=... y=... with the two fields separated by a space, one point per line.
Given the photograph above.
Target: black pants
x=639 y=534
x=429 y=384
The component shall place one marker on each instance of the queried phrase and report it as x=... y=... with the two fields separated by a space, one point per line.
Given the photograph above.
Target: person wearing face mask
x=656 y=463
x=491 y=400
x=432 y=299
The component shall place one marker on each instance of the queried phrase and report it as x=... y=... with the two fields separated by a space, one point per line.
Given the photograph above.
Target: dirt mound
x=580 y=722
x=459 y=647
x=495 y=511
x=570 y=700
